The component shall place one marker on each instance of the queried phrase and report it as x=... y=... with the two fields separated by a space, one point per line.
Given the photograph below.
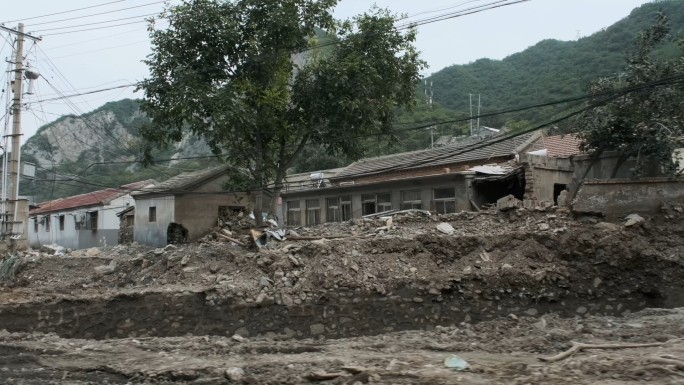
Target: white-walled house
x=82 y=221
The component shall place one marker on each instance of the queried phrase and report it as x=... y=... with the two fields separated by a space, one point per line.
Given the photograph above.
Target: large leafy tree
x=262 y=79
x=641 y=111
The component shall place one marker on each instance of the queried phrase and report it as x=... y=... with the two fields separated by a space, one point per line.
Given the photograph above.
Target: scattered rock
x=235 y=374
x=508 y=202
x=317 y=329
x=607 y=226
x=633 y=219
x=445 y=228
x=106 y=269
x=544 y=227
x=53 y=249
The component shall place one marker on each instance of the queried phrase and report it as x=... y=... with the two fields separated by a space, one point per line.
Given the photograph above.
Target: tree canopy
x=261 y=79
x=644 y=115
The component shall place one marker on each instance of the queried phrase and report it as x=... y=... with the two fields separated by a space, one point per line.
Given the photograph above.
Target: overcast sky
x=108 y=49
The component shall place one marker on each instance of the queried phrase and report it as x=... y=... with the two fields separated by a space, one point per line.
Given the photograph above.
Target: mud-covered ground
x=538 y=256
x=505 y=351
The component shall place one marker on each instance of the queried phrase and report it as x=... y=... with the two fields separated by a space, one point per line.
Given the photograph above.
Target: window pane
x=384 y=198
x=346 y=211
x=332 y=213
x=368 y=197
x=407 y=196
x=313 y=204
x=445 y=193
x=294 y=217
x=368 y=208
x=345 y=198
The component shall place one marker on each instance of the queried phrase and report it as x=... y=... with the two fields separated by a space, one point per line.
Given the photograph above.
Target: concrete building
x=81 y=221
x=443 y=180
x=185 y=207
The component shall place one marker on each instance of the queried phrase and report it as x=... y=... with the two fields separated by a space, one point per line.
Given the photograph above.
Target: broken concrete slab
x=509 y=202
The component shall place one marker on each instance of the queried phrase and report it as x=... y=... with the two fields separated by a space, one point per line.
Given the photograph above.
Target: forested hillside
x=551 y=69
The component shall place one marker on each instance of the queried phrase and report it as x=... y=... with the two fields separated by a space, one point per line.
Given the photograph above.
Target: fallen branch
x=578 y=346
x=316 y=238
x=227 y=238
x=323 y=376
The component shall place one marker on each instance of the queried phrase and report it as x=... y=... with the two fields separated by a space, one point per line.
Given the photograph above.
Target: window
x=153 y=214
x=410 y=200
x=35 y=225
x=339 y=209
x=332 y=211
x=445 y=200
x=47 y=223
x=90 y=221
x=61 y=223
x=375 y=203
x=384 y=202
x=130 y=220
x=313 y=212
x=294 y=217
x=346 y=207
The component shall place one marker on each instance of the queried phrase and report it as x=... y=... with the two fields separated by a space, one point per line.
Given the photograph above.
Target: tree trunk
x=621 y=160
x=572 y=193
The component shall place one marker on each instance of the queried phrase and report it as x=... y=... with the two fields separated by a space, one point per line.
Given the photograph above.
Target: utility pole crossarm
x=20 y=33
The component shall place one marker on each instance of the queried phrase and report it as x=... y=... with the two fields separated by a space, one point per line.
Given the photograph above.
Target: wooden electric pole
x=16 y=211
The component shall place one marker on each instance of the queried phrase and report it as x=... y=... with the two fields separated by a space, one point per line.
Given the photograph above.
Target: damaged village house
x=81 y=221
x=186 y=207
x=533 y=170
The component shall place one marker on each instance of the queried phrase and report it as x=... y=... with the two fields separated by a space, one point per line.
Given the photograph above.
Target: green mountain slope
x=551 y=69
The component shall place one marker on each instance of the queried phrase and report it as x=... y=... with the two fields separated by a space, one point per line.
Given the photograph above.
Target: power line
x=96 y=28
x=95 y=14
x=95 y=23
x=62 y=97
x=63 y=12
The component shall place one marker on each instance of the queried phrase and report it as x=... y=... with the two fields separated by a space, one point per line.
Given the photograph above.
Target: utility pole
x=479 y=105
x=428 y=97
x=15 y=214
x=471 y=114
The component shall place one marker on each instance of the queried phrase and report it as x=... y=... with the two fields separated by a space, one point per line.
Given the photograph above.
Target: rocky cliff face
x=110 y=133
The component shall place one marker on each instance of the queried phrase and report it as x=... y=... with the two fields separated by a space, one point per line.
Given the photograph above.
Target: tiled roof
x=562 y=146
x=456 y=153
x=95 y=198
x=183 y=181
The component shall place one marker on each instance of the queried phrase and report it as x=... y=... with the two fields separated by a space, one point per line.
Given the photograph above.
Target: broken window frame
x=346 y=208
x=313 y=212
x=294 y=215
x=91 y=218
x=409 y=201
x=333 y=210
x=152 y=214
x=35 y=225
x=61 y=222
x=444 y=203
x=377 y=202
x=47 y=223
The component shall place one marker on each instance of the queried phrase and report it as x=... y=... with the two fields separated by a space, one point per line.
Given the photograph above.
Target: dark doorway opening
x=176 y=234
x=558 y=188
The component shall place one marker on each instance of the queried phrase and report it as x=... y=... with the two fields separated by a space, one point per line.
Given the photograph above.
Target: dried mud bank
x=339 y=316
x=405 y=276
